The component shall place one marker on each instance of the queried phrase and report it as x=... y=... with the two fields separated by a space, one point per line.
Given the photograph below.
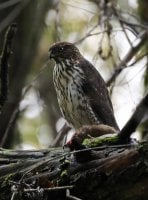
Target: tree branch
x=132 y=51
x=135 y=120
x=4 y=64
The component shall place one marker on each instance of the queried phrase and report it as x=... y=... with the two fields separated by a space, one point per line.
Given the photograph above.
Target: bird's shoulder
x=92 y=78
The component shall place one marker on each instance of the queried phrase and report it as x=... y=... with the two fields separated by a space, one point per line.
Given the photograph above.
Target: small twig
x=4 y=64
x=57 y=23
x=63 y=132
x=125 y=33
x=16 y=188
x=69 y=196
x=49 y=189
x=11 y=122
x=132 y=51
x=88 y=35
x=13 y=195
x=132 y=24
x=8 y=4
x=29 y=85
x=138 y=59
x=13 y=14
x=21 y=154
x=122 y=25
x=73 y=6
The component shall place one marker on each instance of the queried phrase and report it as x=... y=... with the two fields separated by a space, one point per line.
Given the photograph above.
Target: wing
x=95 y=89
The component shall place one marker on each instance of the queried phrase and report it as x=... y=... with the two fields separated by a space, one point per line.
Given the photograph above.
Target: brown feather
x=95 y=89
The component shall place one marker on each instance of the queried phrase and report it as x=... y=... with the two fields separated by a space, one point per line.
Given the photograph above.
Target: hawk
x=81 y=91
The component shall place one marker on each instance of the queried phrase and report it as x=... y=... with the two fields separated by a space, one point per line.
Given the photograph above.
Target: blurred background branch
x=4 y=63
x=30 y=27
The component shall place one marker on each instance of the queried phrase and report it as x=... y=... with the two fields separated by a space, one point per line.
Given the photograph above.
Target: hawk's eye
x=61 y=48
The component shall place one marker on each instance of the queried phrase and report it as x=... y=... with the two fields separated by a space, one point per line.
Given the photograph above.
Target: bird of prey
x=81 y=91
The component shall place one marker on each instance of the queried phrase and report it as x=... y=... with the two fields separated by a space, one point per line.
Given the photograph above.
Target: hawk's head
x=63 y=50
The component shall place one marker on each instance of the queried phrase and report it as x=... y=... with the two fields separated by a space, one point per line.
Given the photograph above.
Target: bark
x=107 y=172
